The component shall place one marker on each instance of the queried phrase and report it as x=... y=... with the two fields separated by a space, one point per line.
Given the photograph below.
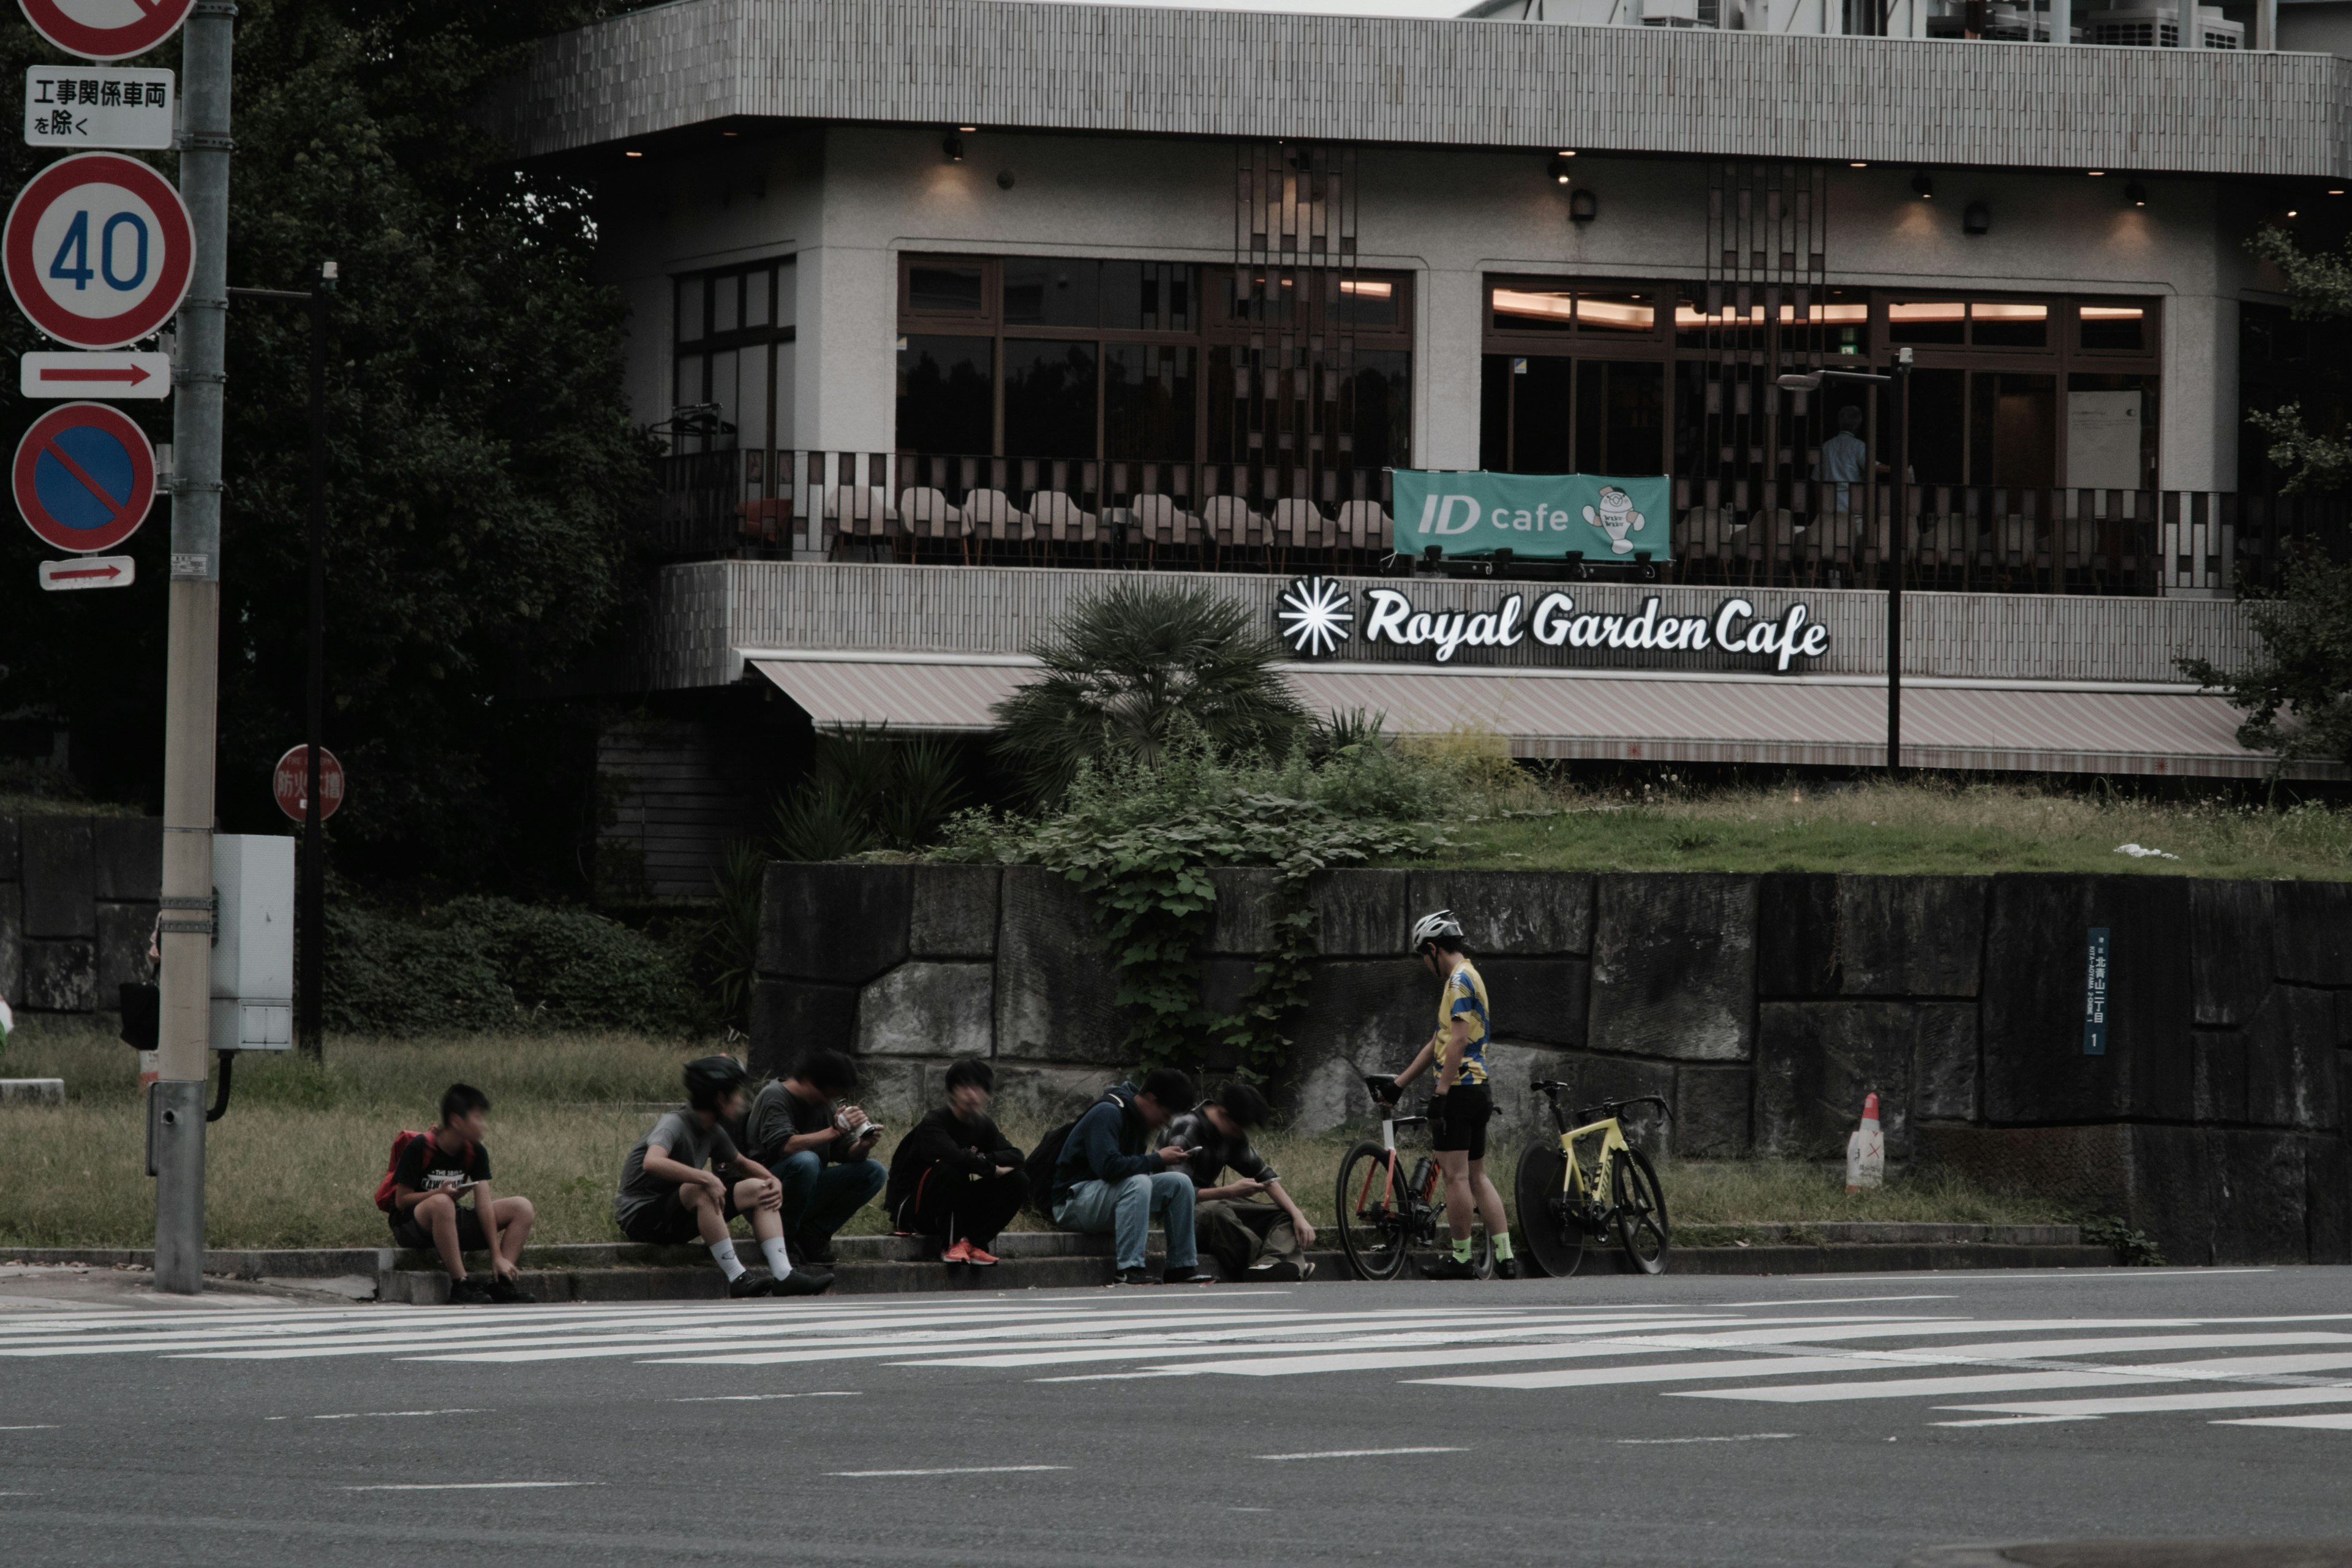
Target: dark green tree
x=2309 y=444
x=484 y=471
x=1138 y=667
x=2298 y=693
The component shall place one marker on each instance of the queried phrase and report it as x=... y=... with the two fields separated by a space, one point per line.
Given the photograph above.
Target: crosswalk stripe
x=2338 y=1421
x=1996 y=1383
x=2160 y=1404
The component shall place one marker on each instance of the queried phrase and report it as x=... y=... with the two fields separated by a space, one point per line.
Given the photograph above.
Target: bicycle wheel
x=1554 y=1243
x=1641 y=1211
x=1372 y=1231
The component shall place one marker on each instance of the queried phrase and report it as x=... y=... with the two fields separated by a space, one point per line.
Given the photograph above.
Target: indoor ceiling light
x=2095 y=174
x=951 y=148
x=1559 y=169
x=1922 y=186
x=2137 y=194
x=632 y=154
x=1857 y=165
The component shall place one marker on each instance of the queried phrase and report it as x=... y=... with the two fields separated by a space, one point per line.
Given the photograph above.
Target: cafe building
x=1456 y=349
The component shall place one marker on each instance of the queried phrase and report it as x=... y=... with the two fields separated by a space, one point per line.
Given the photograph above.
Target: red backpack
x=387 y=1191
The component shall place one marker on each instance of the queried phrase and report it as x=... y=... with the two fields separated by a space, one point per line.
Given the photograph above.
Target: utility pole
x=191 y=711
x=1896 y=530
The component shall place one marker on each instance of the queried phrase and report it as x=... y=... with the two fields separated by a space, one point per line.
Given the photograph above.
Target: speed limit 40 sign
x=97 y=250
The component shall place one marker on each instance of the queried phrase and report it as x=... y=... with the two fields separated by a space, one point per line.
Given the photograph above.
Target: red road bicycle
x=1383 y=1214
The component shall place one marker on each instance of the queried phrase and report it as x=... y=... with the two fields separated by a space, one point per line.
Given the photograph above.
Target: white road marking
x=2007 y=1382
x=1668 y=1442
x=469 y=1486
x=45 y=1426
x=750 y=1398
x=1835 y=1301
x=2339 y=1421
x=365 y=1415
x=2016 y=1420
x=1360 y=1453
x=952 y=1470
x=2160 y=1404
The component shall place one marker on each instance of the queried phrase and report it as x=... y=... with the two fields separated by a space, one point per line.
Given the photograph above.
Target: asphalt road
x=1673 y=1421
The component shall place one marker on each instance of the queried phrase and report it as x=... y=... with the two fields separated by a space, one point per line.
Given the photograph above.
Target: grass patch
x=1906 y=828
x=296 y=1160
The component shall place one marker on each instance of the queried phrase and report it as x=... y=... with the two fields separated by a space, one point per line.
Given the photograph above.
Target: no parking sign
x=85 y=476
x=106 y=29
x=99 y=249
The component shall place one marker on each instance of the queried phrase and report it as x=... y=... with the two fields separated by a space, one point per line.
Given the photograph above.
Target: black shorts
x=668 y=1223
x=1458 y=1121
x=408 y=1233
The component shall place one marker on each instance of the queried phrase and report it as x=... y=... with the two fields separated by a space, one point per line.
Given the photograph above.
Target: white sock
x=779 y=1264
x=723 y=1253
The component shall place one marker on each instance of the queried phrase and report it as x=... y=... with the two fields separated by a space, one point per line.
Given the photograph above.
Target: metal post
x=192 y=689
x=1896 y=527
x=312 y=920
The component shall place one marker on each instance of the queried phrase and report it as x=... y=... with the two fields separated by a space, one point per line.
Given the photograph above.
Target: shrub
x=484 y=963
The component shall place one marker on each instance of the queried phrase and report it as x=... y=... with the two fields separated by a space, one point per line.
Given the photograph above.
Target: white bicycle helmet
x=1431 y=926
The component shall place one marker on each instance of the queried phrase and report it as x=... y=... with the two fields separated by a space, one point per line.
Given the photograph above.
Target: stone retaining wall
x=77 y=900
x=1762 y=1008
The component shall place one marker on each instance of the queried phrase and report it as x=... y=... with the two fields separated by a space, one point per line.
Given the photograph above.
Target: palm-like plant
x=1133 y=668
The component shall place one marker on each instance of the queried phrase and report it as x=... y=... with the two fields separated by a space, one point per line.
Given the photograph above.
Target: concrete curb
x=875 y=1265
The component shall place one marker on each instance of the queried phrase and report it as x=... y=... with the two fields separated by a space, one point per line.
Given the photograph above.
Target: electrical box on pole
x=253 y=955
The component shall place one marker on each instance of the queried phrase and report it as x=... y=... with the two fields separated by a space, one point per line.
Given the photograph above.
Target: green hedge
x=477 y=965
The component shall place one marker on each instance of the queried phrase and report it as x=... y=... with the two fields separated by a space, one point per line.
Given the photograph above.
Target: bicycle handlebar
x=1608 y=1107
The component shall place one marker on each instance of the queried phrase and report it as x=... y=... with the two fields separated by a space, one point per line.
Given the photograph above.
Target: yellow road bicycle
x=1591 y=1182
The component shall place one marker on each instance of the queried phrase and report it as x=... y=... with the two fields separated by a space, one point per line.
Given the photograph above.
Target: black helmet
x=710 y=1080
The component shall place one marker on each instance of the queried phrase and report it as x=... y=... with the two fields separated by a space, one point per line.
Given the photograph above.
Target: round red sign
x=84 y=478
x=106 y=29
x=99 y=249
x=290 y=782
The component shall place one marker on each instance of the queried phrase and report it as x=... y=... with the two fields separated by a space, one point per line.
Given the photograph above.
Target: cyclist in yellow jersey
x=1463 y=1102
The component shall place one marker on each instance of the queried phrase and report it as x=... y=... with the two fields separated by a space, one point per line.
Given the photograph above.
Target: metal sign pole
x=192 y=688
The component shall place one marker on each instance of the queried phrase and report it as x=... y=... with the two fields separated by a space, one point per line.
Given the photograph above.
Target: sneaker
x=979 y=1258
x=960 y=1253
x=1189 y=1277
x=469 y=1292
x=1506 y=1268
x=1306 y=1270
x=1450 y=1267
x=747 y=1284
x=1275 y=1271
x=507 y=1293
x=1134 y=1276
x=804 y=1282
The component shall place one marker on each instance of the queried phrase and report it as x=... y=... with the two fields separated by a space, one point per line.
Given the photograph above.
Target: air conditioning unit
x=2158 y=27
x=2006 y=24
x=1670 y=13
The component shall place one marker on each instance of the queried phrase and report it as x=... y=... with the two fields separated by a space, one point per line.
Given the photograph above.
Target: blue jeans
x=1124 y=1209
x=818 y=1196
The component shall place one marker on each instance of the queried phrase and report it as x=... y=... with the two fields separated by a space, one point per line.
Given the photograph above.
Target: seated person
x=435 y=1170
x=1110 y=1180
x=667 y=1199
x=954 y=1175
x=819 y=1149
x=1252 y=1238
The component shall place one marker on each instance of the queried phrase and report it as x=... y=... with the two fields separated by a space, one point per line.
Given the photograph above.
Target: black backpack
x=1048 y=1155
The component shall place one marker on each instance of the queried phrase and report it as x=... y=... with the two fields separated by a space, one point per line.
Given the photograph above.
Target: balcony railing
x=958 y=509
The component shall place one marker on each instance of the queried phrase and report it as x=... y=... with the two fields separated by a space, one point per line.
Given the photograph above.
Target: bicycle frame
x=1583 y=1196
x=1388 y=1168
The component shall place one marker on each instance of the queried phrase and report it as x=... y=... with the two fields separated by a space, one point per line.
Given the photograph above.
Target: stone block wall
x=1762 y=1008
x=78 y=900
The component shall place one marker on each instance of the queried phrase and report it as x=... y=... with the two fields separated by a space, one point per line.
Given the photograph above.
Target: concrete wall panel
x=1673 y=966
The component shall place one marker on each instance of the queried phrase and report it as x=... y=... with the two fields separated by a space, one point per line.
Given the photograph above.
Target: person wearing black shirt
x=1252 y=1238
x=437 y=1168
x=954 y=1176
x=821 y=1150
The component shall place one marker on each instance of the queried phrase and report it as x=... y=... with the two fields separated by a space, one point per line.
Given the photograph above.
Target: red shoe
x=976 y=1257
x=960 y=1253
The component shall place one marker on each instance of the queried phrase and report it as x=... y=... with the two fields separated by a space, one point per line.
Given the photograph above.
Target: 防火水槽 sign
x=1549 y=515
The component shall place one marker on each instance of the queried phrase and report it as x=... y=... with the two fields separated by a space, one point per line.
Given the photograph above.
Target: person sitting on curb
x=435 y=1170
x=1108 y=1180
x=666 y=1198
x=954 y=1175
x=1253 y=1239
x=820 y=1150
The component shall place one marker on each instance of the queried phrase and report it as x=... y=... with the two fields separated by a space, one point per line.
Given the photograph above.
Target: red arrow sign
x=90 y=572
x=129 y=377
x=110 y=572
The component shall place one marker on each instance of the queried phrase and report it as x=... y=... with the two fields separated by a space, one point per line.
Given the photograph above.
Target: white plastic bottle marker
x=1865 y=1151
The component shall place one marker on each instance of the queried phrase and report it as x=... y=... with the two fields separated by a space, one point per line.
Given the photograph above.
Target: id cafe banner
x=1600 y=517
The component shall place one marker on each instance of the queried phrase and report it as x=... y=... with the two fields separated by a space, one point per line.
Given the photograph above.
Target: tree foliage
x=2298 y=694
x=2310 y=447
x=483 y=470
x=1132 y=667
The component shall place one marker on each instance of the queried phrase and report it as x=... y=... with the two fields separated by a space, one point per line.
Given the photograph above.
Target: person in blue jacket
x=1110 y=1180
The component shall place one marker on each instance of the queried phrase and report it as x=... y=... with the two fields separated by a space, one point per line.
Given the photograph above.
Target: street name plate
x=83 y=108
x=2094 y=996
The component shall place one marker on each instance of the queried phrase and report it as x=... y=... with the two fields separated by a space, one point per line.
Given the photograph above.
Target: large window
x=733 y=370
x=1301 y=374
x=1603 y=376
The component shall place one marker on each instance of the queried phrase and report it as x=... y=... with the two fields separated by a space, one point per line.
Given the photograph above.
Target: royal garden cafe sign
x=1318 y=617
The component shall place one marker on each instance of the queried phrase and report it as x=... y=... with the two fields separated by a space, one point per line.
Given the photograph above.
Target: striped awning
x=1805 y=721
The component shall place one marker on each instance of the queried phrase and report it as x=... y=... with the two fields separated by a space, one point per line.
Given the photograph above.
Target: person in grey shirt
x=666 y=1198
x=1844 y=458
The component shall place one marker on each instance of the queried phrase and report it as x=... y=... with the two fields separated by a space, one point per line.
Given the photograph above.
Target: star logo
x=1316 y=615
